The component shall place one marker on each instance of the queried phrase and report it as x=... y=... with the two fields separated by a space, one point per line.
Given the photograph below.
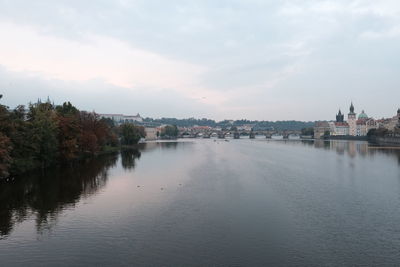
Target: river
x=210 y=203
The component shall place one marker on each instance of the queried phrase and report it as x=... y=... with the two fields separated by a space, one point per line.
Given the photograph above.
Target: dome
x=363 y=115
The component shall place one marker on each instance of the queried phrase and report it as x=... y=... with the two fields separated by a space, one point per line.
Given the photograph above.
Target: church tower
x=340 y=117
x=352 y=121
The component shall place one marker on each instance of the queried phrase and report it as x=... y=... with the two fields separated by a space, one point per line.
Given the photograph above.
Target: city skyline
x=275 y=60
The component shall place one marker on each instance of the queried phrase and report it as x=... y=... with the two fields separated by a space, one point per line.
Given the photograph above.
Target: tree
x=307 y=131
x=5 y=143
x=24 y=146
x=111 y=138
x=5 y=120
x=131 y=134
x=43 y=119
x=69 y=131
x=88 y=141
x=5 y=158
x=170 y=131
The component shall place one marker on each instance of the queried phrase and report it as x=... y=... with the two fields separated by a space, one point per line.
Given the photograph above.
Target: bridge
x=223 y=134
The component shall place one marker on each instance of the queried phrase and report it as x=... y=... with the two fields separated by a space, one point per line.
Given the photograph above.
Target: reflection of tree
x=46 y=195
x=128 y=158
x=168 y=144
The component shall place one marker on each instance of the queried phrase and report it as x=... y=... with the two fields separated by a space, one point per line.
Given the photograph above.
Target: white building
x=120 y=118
x=151 y=133
x=352 y=121
x=339 y=128
x=354 y=126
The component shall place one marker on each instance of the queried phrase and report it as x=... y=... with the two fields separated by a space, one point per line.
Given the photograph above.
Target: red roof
x=343 y=124
x=361 y=121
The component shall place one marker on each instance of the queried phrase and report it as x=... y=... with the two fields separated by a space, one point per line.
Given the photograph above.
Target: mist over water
x=209 y=203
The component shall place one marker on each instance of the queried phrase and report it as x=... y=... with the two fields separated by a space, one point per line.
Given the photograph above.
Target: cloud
x=98 y=57
x=386 y=34
x=98 y=95
x=240 y=58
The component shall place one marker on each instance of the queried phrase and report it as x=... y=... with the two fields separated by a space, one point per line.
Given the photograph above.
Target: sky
x=253 y=59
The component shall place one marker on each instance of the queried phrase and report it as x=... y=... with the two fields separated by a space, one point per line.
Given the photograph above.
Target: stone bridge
x=222 y=134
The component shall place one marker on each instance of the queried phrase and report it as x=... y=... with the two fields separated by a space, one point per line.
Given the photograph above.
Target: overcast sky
x=265 y=60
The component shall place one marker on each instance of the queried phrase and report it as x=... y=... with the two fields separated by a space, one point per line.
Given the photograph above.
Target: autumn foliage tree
x=94 y=132
x=69 y=131
x=44 y=134
x=44 y=130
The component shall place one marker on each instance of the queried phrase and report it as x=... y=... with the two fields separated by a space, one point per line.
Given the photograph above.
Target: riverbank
x=347 y=137
x=82 y=158
x=386 y=140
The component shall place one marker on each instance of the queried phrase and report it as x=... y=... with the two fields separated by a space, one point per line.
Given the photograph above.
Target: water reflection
x=128 y=158
x=45 y=195
x=354 y=148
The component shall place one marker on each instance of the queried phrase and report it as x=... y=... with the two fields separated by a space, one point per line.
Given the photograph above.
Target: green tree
x=131 y=134
x=307 y=131
x=111 y=138
x=170 y=131
x=24 y=147
x=5 y=143
x=43 y=119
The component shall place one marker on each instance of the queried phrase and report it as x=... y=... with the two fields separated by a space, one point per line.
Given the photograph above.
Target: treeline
x=43 y=134
x=258 y=125
x=181 y=122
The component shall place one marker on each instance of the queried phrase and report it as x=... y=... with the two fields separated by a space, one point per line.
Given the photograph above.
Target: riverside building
x=354 y=126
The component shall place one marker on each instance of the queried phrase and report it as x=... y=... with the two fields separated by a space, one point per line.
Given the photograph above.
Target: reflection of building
x=120 y=118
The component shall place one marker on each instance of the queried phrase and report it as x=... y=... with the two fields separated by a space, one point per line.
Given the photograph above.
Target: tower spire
x=351 y=107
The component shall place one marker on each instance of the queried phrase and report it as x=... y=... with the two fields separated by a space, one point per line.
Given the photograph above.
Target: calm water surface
x=210 y=203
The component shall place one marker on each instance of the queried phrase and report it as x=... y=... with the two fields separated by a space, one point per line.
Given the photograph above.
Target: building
x=352 y=121
x=340 y=117
x=321 y=127
x=354 y=126
x=390 y=123
x=398 y=118
x=245 y=127
x=120 y=118
x=339 y=128
x=151 y=133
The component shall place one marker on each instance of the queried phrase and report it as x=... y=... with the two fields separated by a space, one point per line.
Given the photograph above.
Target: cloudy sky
x=255 y=59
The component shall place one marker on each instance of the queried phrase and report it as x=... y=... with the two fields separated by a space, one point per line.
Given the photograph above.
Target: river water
x=210 y=203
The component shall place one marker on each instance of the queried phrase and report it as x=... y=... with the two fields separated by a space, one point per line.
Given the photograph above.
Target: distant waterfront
x=200 y=202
